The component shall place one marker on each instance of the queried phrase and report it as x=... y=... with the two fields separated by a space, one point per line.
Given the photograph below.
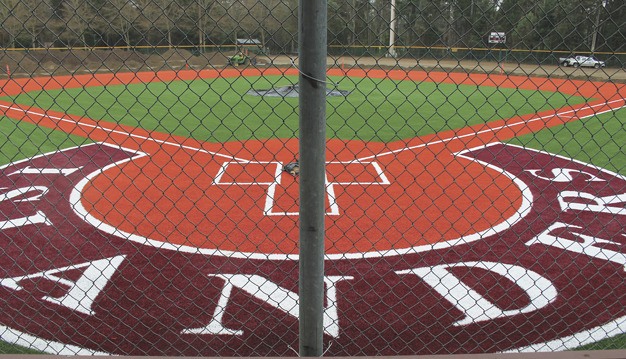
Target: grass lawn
x=599 y=140
x=6 y=348
x=23 y=140
x=219 y=110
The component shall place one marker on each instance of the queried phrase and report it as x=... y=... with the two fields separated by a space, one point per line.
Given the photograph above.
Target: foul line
x=494 y=129
x=409 y=148
x=119 y=132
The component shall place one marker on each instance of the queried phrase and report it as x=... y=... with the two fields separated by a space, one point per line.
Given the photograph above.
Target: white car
x=584 y=61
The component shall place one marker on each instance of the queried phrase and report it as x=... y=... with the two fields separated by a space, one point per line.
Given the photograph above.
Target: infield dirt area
x=58 y=62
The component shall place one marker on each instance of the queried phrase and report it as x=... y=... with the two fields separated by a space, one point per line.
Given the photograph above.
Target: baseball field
x=148 y=213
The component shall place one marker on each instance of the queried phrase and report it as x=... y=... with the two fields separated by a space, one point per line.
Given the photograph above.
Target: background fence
x=472 y=187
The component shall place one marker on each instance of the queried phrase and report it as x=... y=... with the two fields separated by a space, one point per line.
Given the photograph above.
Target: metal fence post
x=312 y=62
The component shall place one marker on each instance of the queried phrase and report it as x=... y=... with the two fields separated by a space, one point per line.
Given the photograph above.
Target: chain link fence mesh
x=475 y=190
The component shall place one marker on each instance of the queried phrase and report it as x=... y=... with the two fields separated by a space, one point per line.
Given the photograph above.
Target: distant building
x=250 y=45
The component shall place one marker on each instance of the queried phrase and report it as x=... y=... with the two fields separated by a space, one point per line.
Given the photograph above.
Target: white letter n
x=272 y=294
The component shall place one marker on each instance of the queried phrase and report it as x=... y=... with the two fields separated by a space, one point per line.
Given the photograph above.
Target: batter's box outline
x=268 y=208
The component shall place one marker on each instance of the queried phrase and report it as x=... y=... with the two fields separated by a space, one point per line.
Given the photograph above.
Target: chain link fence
x=474 y=189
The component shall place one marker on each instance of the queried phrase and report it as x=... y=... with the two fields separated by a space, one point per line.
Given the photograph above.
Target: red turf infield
x=170 y=197
x=201 y=301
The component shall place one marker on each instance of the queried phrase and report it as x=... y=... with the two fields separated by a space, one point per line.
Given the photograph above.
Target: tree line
x=565 y=25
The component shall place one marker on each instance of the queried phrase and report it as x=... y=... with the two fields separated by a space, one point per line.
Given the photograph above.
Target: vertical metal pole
x=312 y=16
x=392 y=30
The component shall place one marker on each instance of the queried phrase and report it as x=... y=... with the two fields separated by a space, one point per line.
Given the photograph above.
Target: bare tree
x=33 y=15
x=164 y=15
x=271 y=20
x=10 y=13
x=118 y=17
x=261 y=12
x=203 y=19
x=77 y=17
x=149 y=14
x=230 y=15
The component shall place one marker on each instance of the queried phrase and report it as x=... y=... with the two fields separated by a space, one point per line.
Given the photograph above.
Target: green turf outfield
x=23 y=140
x=6 y=348
x=598 y=140
x=218 y=110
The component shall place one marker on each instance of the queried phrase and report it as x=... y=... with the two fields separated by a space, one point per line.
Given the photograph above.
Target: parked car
x=584 y=61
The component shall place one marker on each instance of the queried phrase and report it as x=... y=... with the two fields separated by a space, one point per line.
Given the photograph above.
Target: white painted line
x=98 y=127
x=515 y=124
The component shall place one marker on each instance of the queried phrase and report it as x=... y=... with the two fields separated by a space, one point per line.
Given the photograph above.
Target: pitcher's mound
x=293 y=91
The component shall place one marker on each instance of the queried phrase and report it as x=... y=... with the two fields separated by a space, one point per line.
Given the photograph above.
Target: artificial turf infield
x=597 y=132
x=218 y=109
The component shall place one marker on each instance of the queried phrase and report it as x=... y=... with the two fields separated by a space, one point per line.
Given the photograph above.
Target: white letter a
x=83 y=292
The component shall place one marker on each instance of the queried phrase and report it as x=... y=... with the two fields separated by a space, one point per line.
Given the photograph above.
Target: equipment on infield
x=292 y=168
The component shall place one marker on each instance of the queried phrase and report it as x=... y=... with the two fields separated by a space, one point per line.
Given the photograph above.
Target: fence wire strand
x=475 y=189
